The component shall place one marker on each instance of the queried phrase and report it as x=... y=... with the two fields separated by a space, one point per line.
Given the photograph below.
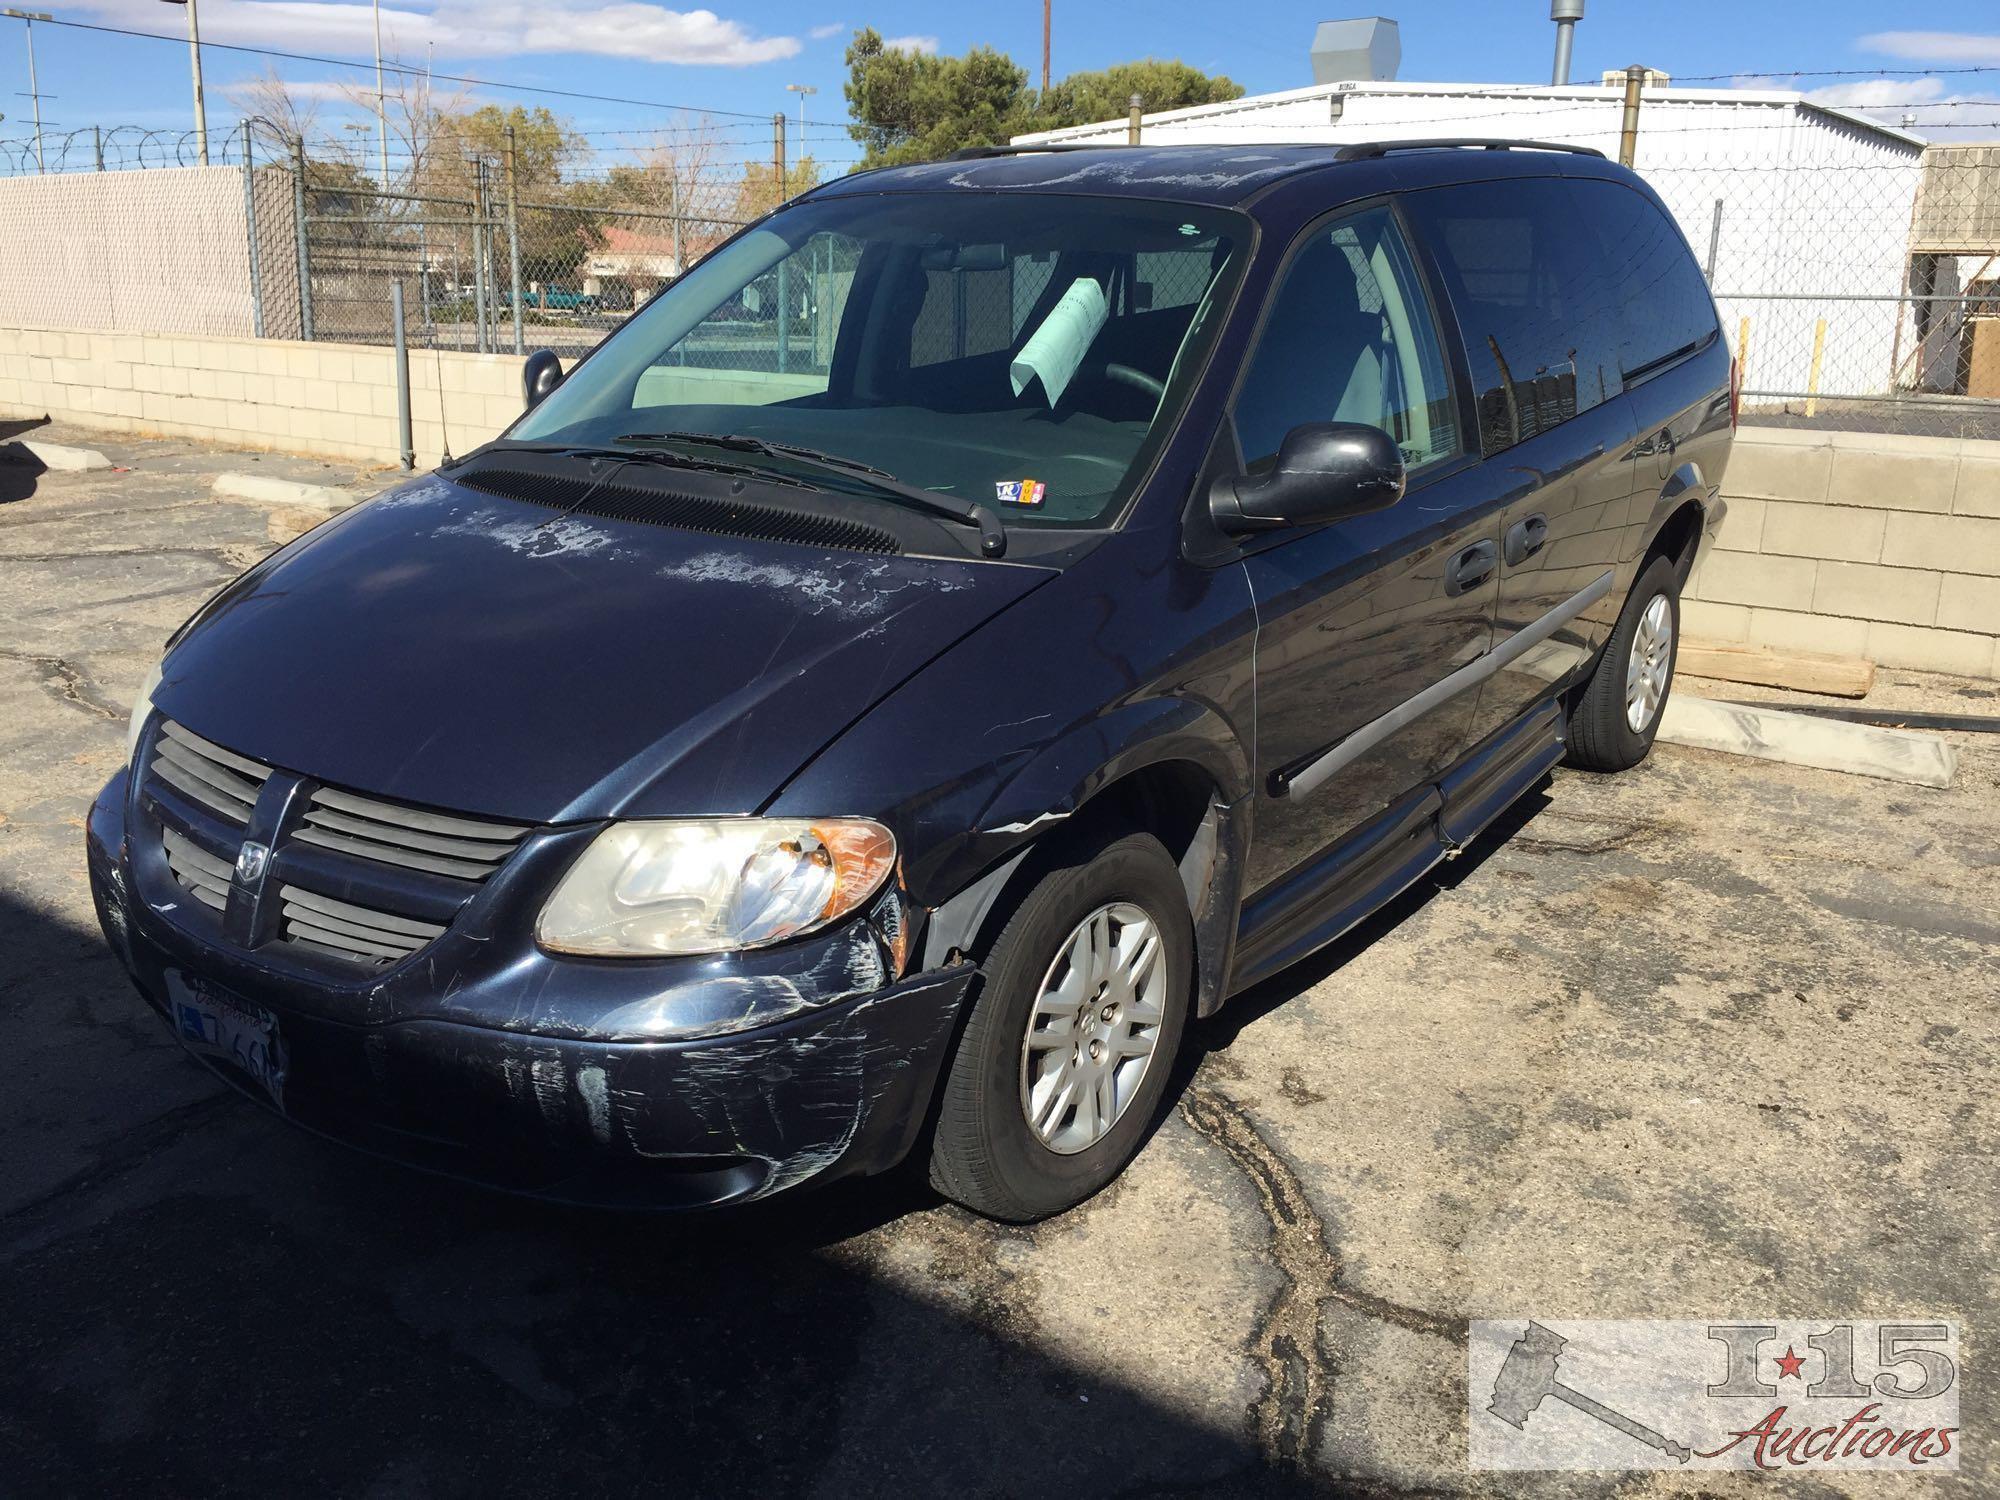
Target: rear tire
x=1066 y=1057
x=1614 y=721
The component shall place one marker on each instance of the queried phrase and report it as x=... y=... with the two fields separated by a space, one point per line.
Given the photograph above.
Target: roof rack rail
x=1364 y=150
x=978 y=153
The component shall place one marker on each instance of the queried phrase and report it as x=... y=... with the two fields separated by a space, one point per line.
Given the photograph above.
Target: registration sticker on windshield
x=1020 y=491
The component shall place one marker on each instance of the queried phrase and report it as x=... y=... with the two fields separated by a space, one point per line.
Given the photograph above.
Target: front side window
x=1349 y=337
x=1027 y=351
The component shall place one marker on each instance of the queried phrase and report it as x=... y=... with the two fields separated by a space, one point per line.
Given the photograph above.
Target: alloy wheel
x=1647 y=668
x=1092 y=1030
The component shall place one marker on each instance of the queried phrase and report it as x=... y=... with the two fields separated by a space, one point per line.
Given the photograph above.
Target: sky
x=735 y=61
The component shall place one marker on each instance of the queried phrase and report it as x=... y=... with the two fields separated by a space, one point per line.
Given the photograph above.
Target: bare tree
x=419 y=118
x=284 y=116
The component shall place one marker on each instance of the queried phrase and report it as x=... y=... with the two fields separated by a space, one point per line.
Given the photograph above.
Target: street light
x=28 y=19
x=802 y=90
x=194 y=53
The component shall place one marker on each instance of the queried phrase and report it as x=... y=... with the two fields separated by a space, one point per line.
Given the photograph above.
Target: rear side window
x=1667 y=308
x=1350 y=338
x=1538 y=302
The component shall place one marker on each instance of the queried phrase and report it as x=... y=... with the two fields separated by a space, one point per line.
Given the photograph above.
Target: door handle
x=1525 y=538
x=1471 y=567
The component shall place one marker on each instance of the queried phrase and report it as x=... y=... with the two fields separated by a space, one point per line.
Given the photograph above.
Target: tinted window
x=1667 y=307
x=1537 y=302
x=1350 y=338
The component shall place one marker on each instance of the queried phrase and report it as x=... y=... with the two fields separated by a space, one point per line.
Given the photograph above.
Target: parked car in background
x=557 y=299
x=754 y=769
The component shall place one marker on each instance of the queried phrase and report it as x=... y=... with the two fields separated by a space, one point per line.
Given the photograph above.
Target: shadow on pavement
x=218 y=1304
x=19 y=469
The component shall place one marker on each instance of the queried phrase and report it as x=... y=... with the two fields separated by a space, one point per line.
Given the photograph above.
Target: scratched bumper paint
x=836 y=1091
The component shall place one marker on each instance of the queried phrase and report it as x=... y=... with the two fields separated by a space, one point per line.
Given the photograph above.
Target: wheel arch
x=1188 y=786
x=1674 y=529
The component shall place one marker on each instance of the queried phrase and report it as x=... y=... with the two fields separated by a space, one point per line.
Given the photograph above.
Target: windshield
x=1028 y=352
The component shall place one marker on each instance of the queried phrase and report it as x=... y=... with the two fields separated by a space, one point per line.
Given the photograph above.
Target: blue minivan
x=875 y=728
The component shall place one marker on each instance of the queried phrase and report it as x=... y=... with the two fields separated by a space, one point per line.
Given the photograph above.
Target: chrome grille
x=468 y=848
x=201 y=874
x=353 y=932
x=222 y=781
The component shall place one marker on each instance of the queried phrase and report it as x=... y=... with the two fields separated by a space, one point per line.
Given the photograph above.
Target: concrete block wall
x=1861 y=544
x=338 y=400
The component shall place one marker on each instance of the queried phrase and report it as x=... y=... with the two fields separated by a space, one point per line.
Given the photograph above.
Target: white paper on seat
x=1054 y=350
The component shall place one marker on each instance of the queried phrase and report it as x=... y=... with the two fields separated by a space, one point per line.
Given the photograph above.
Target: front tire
x=1614 y=721
x=1066 y=1057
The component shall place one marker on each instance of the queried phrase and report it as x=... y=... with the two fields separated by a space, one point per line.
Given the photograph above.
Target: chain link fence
x=129 y=230
x=1859 y=281
x=1859 y=296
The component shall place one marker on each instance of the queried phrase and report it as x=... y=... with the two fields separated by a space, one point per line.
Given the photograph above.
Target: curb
x=1824 y=744
x=319 y=497
x=62 y=456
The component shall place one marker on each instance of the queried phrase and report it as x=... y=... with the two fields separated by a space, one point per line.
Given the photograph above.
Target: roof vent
x=1364 y=51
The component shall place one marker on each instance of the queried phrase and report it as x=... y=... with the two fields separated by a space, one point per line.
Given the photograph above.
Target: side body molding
x=1316 y=772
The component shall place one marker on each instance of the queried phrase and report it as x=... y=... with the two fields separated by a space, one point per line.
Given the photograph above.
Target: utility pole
x=1565 y=13
x=28 y=19
x=514 y=237
x=1628 y=135
x=381 y=104
x=1045 y=48
x=194 y=62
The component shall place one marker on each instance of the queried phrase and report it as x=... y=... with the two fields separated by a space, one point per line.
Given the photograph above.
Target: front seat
x=1325 y=355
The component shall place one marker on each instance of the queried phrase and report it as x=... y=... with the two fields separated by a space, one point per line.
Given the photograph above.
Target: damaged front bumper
x=496 y=1062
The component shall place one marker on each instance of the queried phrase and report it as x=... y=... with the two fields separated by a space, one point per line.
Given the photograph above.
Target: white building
x=1795 y=208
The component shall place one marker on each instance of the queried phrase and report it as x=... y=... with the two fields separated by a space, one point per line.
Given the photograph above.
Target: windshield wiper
x=992 y=535
x=662 y=456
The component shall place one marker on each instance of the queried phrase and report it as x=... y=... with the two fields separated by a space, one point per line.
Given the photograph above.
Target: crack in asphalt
x=129 y=1149
x=66 y=684
x=1288 y=1420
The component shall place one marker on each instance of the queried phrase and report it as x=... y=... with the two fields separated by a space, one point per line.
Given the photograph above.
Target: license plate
x=214 y=1023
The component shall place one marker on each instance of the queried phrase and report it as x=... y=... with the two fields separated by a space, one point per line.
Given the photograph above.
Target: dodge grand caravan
x=984 y=616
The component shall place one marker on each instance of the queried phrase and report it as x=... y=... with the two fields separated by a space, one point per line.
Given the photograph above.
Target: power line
x=389 y=67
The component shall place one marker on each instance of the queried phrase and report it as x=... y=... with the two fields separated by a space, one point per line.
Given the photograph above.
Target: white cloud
x=831 y=28
x=1959 y=47
x=924 y=44
x=326 y=90
x=1938 y=115
x=1879 y=93
x=477 y=28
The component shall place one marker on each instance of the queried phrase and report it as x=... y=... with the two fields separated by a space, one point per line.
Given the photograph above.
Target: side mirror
x=1325 y=471
x=541 y=374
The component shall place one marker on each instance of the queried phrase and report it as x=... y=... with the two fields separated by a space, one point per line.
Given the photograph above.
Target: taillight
x=1735 y=390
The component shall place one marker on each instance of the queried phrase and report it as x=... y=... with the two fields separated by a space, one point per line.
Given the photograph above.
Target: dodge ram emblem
x=250 y=862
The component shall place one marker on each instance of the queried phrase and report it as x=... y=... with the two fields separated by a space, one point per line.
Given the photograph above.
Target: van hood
x=442 y=646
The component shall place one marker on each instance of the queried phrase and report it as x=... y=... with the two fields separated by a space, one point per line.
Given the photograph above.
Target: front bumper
x=442 y=1067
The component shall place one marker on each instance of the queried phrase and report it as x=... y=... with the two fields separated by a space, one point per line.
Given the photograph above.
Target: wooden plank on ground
x=1801 y=671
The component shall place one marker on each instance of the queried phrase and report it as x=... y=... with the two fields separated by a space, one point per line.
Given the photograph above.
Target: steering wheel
x=1138 y=379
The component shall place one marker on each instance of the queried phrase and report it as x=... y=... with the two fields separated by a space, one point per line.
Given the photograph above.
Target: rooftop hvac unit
x=1363 y=51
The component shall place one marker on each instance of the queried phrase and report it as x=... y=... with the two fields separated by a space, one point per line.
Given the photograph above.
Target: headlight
x=711 y=885
x=142 y=706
